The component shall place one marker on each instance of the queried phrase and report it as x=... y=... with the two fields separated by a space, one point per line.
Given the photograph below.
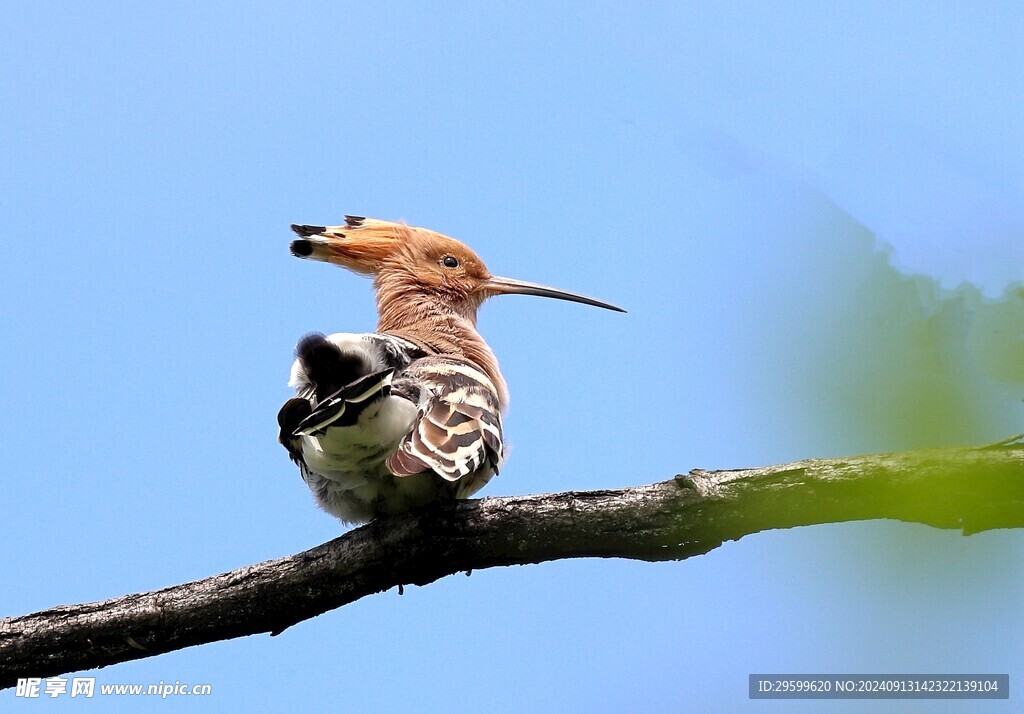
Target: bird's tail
x=337 y=385
x=344 y=406
x=327 y=367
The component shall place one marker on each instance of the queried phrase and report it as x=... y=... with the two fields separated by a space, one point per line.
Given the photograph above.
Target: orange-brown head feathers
x=417 y=263
x=414 y=261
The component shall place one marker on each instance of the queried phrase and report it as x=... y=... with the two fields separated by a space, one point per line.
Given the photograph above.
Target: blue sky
x=813 y=213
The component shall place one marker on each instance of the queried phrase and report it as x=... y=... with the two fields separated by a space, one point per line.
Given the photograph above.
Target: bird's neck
x=438 y=326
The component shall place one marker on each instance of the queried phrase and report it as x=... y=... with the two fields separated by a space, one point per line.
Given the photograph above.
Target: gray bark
x=971 y=489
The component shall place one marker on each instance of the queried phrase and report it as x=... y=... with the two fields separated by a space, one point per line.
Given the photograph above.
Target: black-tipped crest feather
x=305 y=231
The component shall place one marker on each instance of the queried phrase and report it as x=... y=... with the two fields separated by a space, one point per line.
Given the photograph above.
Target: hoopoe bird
x=410 y=414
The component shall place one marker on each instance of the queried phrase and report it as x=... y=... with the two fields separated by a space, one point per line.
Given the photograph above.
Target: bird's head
x=416 y=260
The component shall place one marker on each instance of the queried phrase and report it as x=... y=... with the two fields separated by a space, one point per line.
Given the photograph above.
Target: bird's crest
x=369 y=246
x=361 y=245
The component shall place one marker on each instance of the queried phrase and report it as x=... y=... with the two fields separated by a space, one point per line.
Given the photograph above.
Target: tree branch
x=972 y=489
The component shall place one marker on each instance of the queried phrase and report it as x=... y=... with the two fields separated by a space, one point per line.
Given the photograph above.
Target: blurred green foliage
x=876 y=360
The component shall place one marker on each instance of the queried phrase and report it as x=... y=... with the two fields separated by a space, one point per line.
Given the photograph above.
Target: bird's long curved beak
x=507 y=286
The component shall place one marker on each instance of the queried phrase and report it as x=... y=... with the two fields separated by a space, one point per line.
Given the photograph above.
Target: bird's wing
x=337 y=378
x=343 y=407
x=323 y=365
x=458 y=429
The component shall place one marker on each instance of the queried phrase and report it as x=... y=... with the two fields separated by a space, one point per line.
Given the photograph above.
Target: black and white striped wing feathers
x=457 y=433
x=343 y=407
x=337 y=379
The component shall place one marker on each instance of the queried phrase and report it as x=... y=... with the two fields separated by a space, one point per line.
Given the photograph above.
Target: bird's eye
x=450 y=261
